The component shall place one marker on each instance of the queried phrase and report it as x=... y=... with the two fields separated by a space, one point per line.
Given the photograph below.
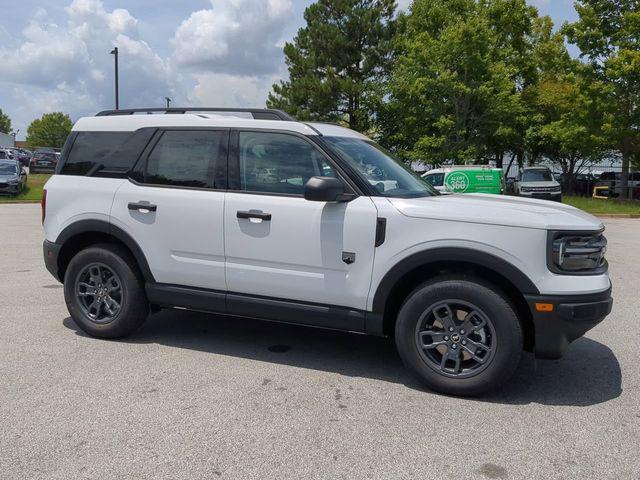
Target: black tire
x=133 y=305
x=421 y=352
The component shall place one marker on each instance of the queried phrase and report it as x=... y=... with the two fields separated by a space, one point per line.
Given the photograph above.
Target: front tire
x=104 y=294
x=459 y=336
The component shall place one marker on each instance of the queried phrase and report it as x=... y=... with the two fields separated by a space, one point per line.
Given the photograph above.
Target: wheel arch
x=82 y=234
x=410 y=272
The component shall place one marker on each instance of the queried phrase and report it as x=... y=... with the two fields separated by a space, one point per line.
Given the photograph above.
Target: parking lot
x=194 y=396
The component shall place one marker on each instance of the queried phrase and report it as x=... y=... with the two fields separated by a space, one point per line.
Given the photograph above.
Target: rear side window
x=435 y=179
x=114 y=152
x=186 y=158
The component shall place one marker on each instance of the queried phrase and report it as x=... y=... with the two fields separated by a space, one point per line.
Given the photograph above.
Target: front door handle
x=254 y=214
x=143 y=207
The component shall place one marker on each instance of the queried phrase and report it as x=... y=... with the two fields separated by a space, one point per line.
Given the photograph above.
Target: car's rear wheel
x=459 y=336
x=104 y=294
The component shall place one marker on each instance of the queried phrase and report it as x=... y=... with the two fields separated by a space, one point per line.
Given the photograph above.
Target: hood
x=498 y=210
x=6 y=177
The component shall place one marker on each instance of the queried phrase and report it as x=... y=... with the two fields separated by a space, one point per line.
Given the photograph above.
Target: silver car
x=538 y=182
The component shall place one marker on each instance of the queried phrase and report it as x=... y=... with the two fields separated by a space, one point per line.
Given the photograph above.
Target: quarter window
x=279 y=163
x=186 y=158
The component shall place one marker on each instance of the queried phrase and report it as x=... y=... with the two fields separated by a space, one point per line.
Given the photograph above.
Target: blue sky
x=55 y=53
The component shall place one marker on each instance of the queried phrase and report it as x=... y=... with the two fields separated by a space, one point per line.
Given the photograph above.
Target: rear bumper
x=571 y=317
x=51 y=251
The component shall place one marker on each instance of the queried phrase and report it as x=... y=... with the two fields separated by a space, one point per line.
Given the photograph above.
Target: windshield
x=8 y=169
x=388 y=176
x=537 y=176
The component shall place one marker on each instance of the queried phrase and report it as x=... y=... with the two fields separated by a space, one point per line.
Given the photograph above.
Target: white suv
x=254 y=214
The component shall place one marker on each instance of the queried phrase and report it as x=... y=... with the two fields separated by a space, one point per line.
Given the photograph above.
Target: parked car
x=13 y=178
x=581 y=185
x=22 y=155
x=314 y=224
x=43 y=161
x=612 y=181
x=467 y=179
x=537 y=182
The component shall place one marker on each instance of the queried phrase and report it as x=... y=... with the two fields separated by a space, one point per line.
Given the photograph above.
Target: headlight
x=579 y=253
x=14 y=181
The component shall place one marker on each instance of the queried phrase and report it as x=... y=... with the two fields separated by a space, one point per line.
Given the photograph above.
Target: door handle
x=254 y=214
x=143 y=207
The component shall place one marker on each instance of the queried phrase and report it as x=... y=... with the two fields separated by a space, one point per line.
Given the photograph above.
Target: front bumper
x=9 y=188
x=556 y=197
x=51 y=253
x=572 y=316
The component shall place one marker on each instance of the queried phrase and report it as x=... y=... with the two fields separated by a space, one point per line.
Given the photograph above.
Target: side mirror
x=326 y=189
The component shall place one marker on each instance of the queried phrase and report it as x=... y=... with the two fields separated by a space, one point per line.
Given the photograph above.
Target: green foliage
x=51 y=130
x=336 y=62
x=454 y=93
x=5 y=122
x=608 y=35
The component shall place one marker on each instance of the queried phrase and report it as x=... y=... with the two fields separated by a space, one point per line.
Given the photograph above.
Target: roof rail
x=257 y=113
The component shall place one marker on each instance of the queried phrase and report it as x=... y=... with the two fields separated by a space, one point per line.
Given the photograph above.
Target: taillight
x=44 y=205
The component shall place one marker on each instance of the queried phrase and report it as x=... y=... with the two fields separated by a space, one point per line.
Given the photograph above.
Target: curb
x=617 y=215
x=17 y=202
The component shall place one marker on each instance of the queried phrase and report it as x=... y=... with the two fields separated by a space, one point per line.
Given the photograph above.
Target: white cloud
x=223 y=90
x=236 y=37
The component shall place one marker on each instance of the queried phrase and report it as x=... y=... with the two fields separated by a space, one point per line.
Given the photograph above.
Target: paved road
x=197 y=397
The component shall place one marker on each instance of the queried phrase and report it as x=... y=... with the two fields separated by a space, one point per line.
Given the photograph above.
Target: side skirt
x=266 y=308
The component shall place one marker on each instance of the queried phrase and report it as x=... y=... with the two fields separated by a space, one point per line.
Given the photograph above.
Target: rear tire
x=104 y=293
x=459 y=336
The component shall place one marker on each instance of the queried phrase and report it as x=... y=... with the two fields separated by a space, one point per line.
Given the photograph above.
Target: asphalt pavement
x=201 y=397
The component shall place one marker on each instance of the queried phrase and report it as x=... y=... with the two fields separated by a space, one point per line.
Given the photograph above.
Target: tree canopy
x=337 y=61
x=5 y=122
x=51 y=130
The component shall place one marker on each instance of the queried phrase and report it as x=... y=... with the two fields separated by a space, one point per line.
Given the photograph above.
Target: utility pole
x=168 y=102
x=114 y=52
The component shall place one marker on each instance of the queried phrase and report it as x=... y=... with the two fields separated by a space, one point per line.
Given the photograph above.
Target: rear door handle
x=143 y=207
x=254 y=214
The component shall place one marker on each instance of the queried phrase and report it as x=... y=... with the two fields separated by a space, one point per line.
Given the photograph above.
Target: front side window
x=279 y=163
x=388 y=176
x=186 y=158
x=435 y=179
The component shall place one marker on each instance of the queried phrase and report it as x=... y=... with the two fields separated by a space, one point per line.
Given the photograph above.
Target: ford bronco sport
x=254 y=214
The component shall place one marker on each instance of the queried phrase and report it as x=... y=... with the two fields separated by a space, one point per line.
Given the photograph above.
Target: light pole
x=114 y=52
x=168 y=102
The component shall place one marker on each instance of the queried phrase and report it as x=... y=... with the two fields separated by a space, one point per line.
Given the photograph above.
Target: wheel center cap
x=455 y=337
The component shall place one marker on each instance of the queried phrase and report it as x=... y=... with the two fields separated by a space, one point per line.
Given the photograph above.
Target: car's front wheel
x=460 y=336
x=104 y=294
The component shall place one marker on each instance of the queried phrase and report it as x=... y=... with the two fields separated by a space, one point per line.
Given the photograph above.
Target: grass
x=33 y=192
x=604 y=207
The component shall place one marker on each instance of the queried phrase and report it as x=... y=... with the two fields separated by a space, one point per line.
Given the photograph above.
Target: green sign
x=457 y=182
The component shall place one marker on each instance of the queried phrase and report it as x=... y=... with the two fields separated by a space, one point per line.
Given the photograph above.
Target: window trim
x=233 y=170
x=220 y=173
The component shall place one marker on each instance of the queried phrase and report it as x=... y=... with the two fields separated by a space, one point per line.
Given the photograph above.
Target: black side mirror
x=326 y=189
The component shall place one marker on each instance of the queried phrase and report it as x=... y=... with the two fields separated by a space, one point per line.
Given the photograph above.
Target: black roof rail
x=256 y=113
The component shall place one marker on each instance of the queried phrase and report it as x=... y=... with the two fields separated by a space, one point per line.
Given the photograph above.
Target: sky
x=54 y=54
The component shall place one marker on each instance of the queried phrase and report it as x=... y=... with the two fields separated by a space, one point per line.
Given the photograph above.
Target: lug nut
x=464 y=342
x=461 y=332
x=454 y=346
x=446 y=337
x=451 y=329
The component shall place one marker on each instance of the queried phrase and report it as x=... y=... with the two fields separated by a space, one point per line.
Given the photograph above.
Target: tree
x=5 y=122
x=608 y=36
x=51 y=130
x=336 y=61
x=453 y=95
